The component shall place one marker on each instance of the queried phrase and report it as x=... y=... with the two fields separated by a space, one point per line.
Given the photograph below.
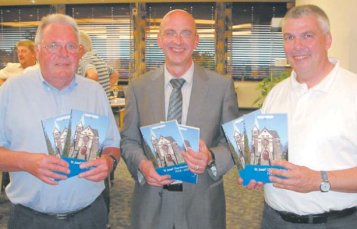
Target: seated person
x=26 y=56
x=94 y=67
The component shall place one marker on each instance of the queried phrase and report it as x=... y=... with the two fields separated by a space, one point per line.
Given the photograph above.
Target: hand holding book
x=255 y=141
x=76 y=138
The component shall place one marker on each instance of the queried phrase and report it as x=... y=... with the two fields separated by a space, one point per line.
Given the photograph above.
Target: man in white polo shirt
x=320 y=98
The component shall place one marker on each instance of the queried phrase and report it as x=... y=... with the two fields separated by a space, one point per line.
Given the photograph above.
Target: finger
x=51 y=174
x=191 y=151
x=287 y=165
x=95 y=173
x=56 y=160
x=202 y=145
x=53 y=163
x=279 y=172
x=58 y=168
x=93 y=163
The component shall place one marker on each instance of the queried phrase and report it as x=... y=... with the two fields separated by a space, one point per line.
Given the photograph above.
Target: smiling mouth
x=178 y=50
x=300 y=57
x=62 y=65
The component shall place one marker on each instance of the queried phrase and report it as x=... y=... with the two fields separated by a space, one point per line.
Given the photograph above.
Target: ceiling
x=55 y=2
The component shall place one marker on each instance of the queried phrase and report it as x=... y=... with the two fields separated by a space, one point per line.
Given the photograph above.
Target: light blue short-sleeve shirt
x=24 y=102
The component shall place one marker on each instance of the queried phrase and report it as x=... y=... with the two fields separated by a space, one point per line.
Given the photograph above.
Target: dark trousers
x=5 y=180
x=272 y=220
x=93 y=217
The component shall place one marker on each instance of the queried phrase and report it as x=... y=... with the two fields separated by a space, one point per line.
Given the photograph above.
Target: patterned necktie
x=175 y=103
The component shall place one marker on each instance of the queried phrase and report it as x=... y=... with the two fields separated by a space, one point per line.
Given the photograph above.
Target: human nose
x=298 y=43
x=63 y=49
x=177 y=38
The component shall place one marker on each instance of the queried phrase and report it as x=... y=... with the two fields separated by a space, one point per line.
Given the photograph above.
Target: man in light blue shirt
x=41 y=197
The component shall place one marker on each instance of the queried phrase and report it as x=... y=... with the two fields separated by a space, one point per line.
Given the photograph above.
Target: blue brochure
x=85 y=139
x=164 y=144
x=255 y=140
x=258 y=173
x=55 y=130
x=75 y=137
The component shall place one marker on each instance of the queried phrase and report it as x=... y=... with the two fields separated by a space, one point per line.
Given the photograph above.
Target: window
x=18 y=23
x=255 y=45
x=109 y=26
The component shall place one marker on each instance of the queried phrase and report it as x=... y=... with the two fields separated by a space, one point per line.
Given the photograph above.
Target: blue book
x=164 y=144
x=255 y=140
x=236 y=137
x=191 y=137
x=55 y=130
x=75 y=137
x=87 y=132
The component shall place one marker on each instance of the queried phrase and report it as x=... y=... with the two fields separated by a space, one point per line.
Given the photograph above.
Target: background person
x=94 y=67
x=26 y=57
x=209 y=100
x=39 y=200
x=320 y=98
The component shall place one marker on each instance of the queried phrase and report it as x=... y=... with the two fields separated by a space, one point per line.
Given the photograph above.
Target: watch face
x=325 y=187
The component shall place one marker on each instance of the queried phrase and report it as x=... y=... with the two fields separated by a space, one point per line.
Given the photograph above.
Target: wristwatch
x=212 y=162
x=325 y=184
x=115 y=161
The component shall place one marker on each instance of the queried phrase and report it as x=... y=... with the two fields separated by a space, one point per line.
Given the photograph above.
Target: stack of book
x=255 y=139
x=164 y=143
x=76 y=137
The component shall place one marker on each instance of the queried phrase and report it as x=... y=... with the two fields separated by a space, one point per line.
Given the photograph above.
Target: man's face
x=306 y=46
x=178 y=39
x=58 y=54
x=25 y=56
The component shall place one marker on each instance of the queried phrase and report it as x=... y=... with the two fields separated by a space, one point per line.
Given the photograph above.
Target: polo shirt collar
x=323 y=86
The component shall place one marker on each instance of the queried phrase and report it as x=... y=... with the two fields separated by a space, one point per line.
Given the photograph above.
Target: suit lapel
x=198 y=94
x=157 y=96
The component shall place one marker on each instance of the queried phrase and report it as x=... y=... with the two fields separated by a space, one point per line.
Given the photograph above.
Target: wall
x=344 y=45
x=342 y=15
x=247 y=93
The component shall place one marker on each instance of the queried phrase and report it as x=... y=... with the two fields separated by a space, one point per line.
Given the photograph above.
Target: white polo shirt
x=322 y=124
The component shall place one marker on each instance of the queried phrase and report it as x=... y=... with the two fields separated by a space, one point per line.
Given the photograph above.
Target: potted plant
x=267 y=84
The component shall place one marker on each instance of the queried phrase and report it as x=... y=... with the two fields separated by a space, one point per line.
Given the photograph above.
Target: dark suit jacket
x=213 y=102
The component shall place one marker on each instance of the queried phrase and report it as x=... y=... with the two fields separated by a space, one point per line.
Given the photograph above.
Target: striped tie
x=175 y=103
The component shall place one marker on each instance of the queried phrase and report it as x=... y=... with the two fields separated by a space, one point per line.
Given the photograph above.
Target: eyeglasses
x=55 y=47
x=173 y=34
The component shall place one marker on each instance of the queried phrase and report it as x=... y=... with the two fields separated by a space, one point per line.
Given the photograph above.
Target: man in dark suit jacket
x=209 y=100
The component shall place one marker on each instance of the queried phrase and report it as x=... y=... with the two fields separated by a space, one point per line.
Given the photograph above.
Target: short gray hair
x=309 y=10
x=55 y=18
x=85 y=41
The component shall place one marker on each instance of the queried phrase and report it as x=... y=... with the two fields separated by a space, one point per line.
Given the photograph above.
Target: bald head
x=177 y=14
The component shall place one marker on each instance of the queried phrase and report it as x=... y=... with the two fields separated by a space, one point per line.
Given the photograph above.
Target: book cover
x=255 y=140
x=237 y=138
x=191 y=137
x=164 y=144
x=86 y=134
x=55 y=130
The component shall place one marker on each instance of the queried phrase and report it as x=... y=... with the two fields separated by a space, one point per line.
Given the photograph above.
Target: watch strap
x=324 y=176
x=115 y=161
x=212 y=162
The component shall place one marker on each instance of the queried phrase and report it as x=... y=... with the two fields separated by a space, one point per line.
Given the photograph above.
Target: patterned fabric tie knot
x=177 y=83
x=175 y=103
